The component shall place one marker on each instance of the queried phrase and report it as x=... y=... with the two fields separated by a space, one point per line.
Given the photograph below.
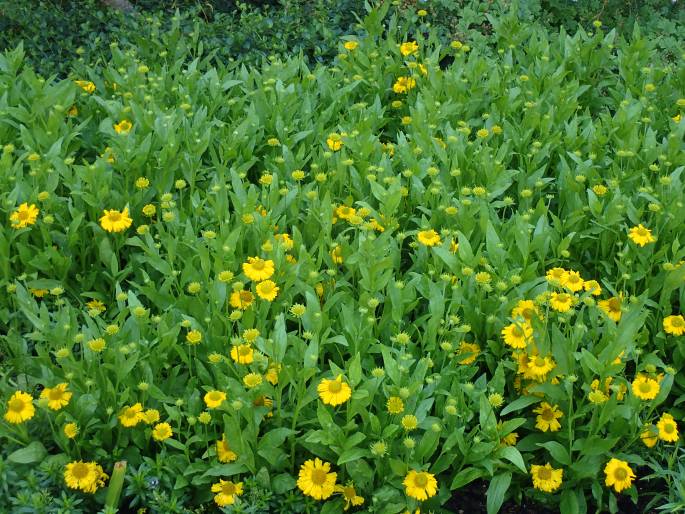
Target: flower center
x=620 y=474
x=669 y=428
x=258 y=264
x=23 y=215
x=539 y=362
x=245 y=296
x=645 y=387
x=114 y=216
x=516 y=331
x=319 y=477
x=544 y=474
x=614 y=305
x=349 y=492
x=547 y=415
x=334 y=386
x=17 y=405
x=421 y=480
x=215 y=397
x=55 y=394
x=228 y=488
x=678 y=322
x=563 y=297
x=642 y=232
x=80 y=470
x=244 y=351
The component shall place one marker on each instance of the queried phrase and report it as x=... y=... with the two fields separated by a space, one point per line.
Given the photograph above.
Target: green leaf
x=518 y=404
x=557 y=451
x=514 y=456
x=34 y=452
x=496 y=492
x=466 y=476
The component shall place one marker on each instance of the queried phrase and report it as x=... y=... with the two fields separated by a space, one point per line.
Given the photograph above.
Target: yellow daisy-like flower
x=20 y=408
x=131 y=416
x=214 y=399
x=267 y=290
x=404 y=85
x=547 y=416
x=57 y=396
x=420 y=485
x=334 y=392
x=162 y=431
x=242 y=354
x=345 y=212
x=224 y=452
x=525 y=309
x=271 y=374
x=674 y=325
x=24 y=216
x=546 y=478
x=334 y=142
x=395 y=405
x=517 y=335
x=316 y=480
x=645 y=388
x=86 y=85
x=618 y=474
x=574 y=282
x=409 y=48
x=428 y=237
x=469 y=351
x=70 y=430
x=538 y=367
x=115 y=221
x=349 y=494
x=668 y=428
x=561 y=302
x=557 y=276
x=123 y=127
x=84 y=476
x=409 y=422
x=151 y=416
x=194 y=337
x=350 y=45
x=241 y=299
x=258 y=269
x=226 y=492
x=592 y=287
x=611 y=307
x=336 y=254
x=252 y=380
x=641 y=235
x=649 y=436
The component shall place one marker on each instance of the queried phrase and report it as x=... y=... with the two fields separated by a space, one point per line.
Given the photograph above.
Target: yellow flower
x=162 y=431
x=574 y=282
x=316 y=480
x=409 y=422
x=151 y=416
x=73 y=111
x=226 y=491
x=420 y=485
x=334 y=142
x=241 y=299
x=428 y=237
x=645 y=388
x=131 y=416
x=71 y=430
x=115 y=221
x=517 y=335
x=547 y=416
x=538 y=367
x=404 y=85
x=242 y=354
x=674 y=325
x=649 y=436
x=525 y=309
x=224 y=452
x=24 y=216
x=345 y=212
x=483 y=133
x=252 y=380
x=557 y=276
x=19 y=408
x=592 y=287
x=334 y=392
x=272 y=374
x=86 y=85
x=561 y=302
x=214 y=399
x=618 y=474
x=350 y=45
x=641 y=235
x=86 y=476
x=57 y=396
x=668 y=428
x=546 y=478
x=395 y=405
x=267 y=290
x=469 y=351
x=258 y=269
x=194 y=337
x=336 y=254
x=96 y=305
x=409 y=48
x=349 y=494
x=123 y=127
x=612 y=307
